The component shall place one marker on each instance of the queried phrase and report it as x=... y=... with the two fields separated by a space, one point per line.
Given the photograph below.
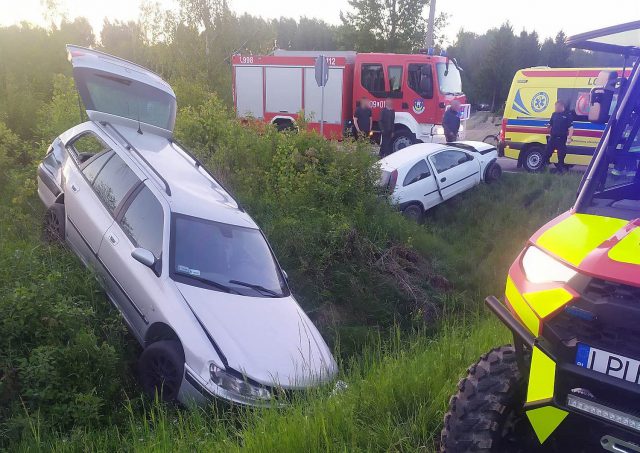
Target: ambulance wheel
x=402 y=139
x=486 y=414
x=533 y=159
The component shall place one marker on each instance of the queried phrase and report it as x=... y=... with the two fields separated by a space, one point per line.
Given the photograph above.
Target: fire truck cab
x=279 y=88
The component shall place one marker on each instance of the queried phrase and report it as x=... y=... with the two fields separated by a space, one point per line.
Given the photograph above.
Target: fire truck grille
x=601 y=289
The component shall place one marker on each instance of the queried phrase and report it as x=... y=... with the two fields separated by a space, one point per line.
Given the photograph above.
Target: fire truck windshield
x=449 y=78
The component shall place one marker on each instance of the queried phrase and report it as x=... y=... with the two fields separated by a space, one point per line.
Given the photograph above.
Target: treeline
x=191 y=47
x=490 y=60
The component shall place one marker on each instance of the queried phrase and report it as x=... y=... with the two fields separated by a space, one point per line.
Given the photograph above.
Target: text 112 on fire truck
x=278 y=88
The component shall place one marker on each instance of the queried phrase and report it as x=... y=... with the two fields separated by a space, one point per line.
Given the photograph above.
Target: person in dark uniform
x=387 y=122
x=560 y=133
x=362 y=119
x=451 y=122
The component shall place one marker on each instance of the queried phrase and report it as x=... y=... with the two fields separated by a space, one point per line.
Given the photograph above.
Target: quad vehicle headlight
x=541 y=268
x=235 y=384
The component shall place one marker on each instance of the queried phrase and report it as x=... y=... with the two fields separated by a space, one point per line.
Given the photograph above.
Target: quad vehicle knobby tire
x=54 y=224
x=161 y=369
x=486 y=414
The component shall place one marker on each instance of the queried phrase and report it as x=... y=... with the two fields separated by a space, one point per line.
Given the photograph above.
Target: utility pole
x=429 y=41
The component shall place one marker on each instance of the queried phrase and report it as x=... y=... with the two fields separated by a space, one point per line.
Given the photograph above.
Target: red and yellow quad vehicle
x=571 y=379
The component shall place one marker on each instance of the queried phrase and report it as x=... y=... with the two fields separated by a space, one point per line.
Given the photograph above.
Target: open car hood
x=603 y=247
x=119 y=91
x=270 y=340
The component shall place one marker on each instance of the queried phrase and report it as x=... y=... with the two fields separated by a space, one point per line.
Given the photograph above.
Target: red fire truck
x=278 y=88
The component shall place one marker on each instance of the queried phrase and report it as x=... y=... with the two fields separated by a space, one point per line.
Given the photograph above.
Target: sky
x=544 y=16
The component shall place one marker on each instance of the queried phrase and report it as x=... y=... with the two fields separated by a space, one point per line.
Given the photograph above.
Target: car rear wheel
x=161 y=368
x=493 y=172
x=413 y=212
x=486 y=415
x=533 y=159
x=53 y=225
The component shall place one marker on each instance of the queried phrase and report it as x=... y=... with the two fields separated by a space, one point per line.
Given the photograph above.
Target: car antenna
x=139 y=126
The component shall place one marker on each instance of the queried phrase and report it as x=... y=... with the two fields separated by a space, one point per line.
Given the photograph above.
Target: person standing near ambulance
x=363 y=119
x=560 y=133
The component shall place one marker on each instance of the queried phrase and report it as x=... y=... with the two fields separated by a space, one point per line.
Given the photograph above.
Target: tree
x=555 y=53
x=385 y=25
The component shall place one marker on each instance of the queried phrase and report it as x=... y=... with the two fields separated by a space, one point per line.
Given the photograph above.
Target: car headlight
x=237 y=385
x=541 y=268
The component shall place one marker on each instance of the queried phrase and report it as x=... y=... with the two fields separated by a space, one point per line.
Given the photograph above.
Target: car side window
x=446 y=160
x=143 y=222
x=113 y=182
x=418 y=172
x=87 y=145
x=93 y=168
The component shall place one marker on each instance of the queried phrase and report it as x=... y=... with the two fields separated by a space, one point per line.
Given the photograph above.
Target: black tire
x=493 y=172
x=53 y=226
x=533 y=159
x=413 y=212
x=486 y=414
x=402 y=139
x=161 y=369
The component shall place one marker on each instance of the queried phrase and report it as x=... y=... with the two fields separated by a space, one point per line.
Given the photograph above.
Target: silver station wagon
x=191 y=273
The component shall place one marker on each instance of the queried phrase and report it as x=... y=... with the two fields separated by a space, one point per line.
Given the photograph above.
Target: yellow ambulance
x=534 y=91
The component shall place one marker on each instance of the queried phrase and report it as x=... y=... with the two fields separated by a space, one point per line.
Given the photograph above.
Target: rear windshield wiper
x=257 y=288
x=206 y=281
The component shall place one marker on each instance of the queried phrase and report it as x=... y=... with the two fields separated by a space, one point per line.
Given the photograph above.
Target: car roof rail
x=184 y=152
x=131 y=148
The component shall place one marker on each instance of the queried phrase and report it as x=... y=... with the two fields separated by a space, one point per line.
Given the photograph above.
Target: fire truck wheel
x=486 y=415
x=403 y=139
x=533 y=158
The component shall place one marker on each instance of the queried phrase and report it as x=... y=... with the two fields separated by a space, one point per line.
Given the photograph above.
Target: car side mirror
x=144 y=256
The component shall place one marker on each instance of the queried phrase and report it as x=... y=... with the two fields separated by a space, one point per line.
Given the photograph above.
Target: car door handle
x=75 y=188
x=443 y=179
x=113 y=239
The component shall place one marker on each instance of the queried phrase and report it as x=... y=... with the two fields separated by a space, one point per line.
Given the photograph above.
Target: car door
x=116 y=90
x=141 y=223
x=419 y=184
x=87 y=219
x=456 y=171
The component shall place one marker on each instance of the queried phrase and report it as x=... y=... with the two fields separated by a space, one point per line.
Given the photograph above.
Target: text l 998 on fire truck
x=278 y=88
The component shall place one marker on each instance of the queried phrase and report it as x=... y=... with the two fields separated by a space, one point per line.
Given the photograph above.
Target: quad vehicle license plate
x=608 y=363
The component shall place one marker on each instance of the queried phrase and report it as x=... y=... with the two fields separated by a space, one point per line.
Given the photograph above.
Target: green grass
x=400 y=383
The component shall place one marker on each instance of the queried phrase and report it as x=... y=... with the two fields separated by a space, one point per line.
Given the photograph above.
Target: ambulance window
x=372 y=79
x=420 y=79
x=395 y=80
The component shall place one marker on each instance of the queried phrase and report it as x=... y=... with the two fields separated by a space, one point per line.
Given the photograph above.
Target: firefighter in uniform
x=387 y=122
x=451 y=122
x=560 y=133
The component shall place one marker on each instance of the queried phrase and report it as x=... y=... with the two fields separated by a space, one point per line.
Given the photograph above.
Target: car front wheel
x=493 y=172
x=161 y=368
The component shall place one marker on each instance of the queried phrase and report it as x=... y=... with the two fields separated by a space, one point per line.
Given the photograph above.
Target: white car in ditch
x=192 y=274
x=424 y=175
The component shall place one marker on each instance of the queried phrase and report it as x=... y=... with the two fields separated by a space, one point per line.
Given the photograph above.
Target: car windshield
x=616 y=184
x=127 y=98
x=224 y=257
x=449 y=78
